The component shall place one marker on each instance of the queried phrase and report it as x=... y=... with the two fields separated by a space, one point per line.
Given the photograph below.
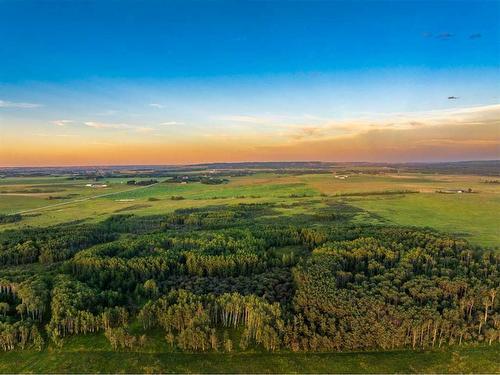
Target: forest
x=232 y=277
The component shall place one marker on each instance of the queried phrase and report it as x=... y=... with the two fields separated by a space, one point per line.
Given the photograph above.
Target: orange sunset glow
x=471 y=133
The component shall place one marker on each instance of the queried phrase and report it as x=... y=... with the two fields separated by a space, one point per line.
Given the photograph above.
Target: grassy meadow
x=403 y=199
x=93 y=354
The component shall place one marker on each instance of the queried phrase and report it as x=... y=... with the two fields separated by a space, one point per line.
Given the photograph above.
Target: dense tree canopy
x=229 y=278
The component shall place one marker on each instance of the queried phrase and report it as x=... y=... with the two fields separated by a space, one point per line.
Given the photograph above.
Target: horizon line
x=248 y=162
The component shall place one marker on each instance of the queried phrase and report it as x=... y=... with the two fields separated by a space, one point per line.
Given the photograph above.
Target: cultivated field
x=404 y=199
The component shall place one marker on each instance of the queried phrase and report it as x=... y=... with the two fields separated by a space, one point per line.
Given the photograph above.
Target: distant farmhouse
x=341 y=176
x=455 y=191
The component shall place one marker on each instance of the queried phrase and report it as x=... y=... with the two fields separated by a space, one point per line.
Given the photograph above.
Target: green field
x=77 y=357
x=473 y=216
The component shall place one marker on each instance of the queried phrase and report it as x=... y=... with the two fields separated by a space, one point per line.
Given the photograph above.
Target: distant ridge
x=478 y=167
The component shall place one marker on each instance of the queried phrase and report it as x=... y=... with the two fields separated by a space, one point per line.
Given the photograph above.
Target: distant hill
x=477 y=167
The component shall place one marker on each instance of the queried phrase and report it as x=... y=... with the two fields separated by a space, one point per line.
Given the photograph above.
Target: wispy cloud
x=54 y=135
x=169 y=123
x=108 y=112
x=246 y=119
x=103 y=125
x=156 y=105
x=395 y=121
x=19 y=105
x=270 y=119
x=62 y=122
x=117 y=126
x=143 y=129
x=307 y=132
x=98 y=143
x=452 y=134
x=450 y=141
x=445 y=35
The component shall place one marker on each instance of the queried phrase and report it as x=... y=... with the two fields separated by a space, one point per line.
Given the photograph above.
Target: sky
x=175 y=82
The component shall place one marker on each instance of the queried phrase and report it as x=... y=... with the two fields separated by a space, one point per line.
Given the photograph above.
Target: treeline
x=142 y=182
x=78 y=309
x=204 y=179
x=49 y=245
x=5 y=219
x=399 y=288
x=274 y=284
x=20 y=335
x=384 y=192
x=28 y=299
x=126 y=263
x=22 y=309
x=190 y=321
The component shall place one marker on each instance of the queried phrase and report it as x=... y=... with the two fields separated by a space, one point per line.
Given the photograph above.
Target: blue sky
x=75 y=40
x=189 y=69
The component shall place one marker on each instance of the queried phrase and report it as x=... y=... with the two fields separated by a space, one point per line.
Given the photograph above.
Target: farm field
x=407 y=199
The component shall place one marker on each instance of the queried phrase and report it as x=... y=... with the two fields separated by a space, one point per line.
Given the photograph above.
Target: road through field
x=81 y=199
